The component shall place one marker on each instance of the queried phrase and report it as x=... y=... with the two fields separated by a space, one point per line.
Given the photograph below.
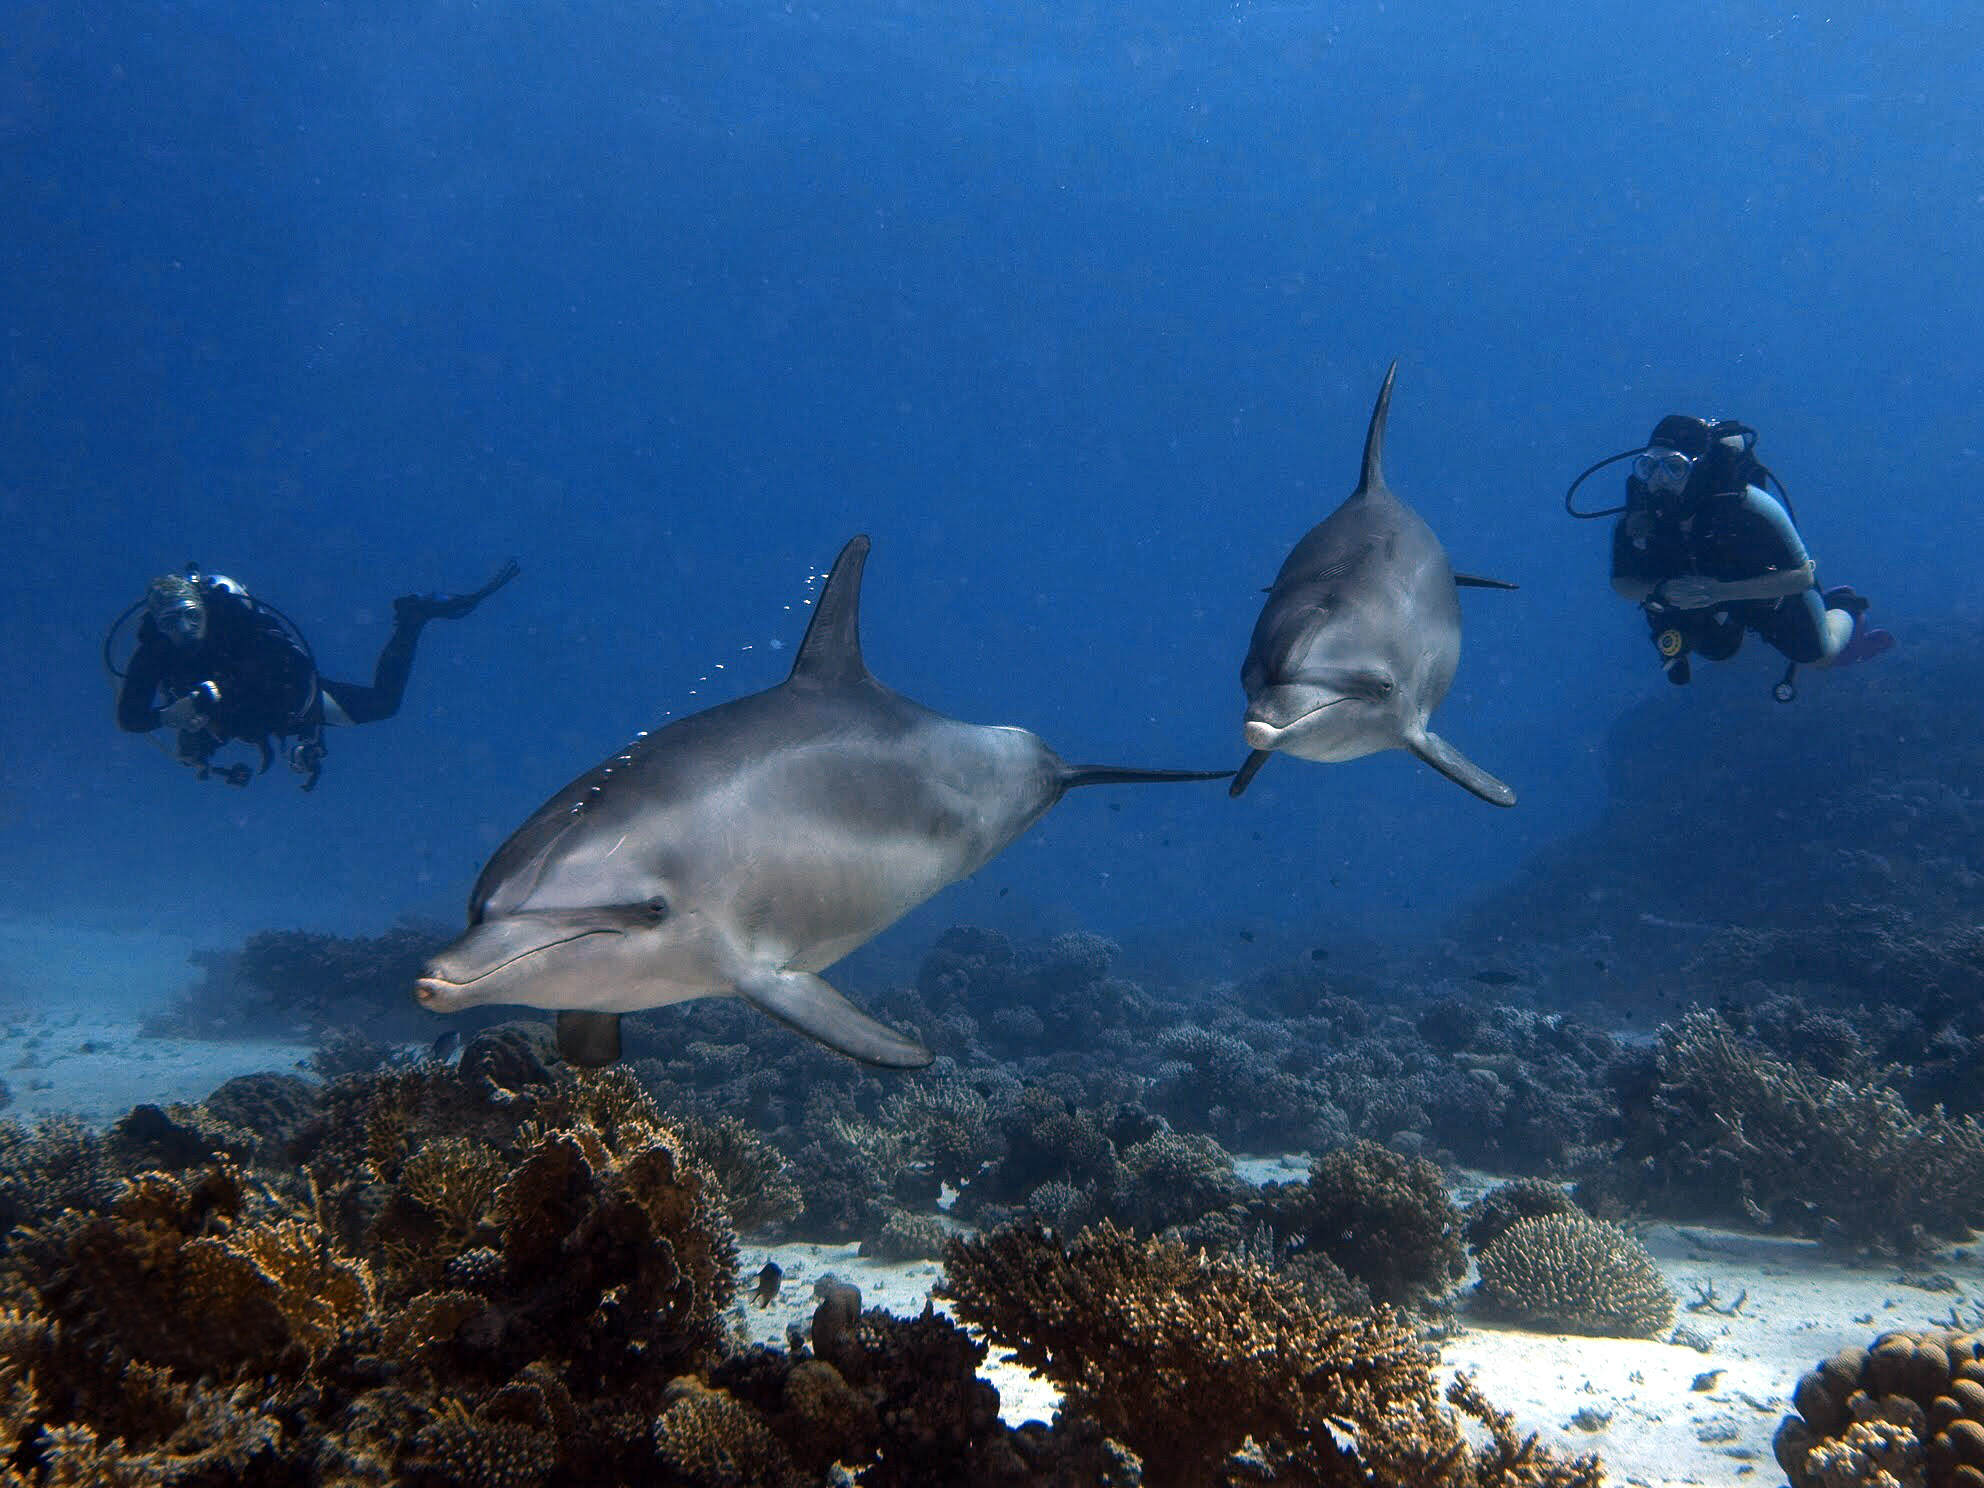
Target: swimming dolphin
x=1359 y=637
x=741 y=851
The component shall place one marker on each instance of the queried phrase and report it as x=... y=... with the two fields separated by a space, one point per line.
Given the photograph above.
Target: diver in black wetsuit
x=1708 y=553
x=215 y=664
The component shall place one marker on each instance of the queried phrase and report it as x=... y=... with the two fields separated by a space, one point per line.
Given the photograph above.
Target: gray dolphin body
x=743 y=850
x=1359 y=638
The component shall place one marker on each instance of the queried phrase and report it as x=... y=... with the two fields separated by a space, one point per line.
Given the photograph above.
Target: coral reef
x=1489 y=1217
x=1385 y=1218
x=1568 y=1273
x=1907 y=1410
x=1718 y=1126
x=1186 y=1359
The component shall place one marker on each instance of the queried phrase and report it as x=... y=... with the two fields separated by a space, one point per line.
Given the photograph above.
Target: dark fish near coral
x=1497 y=978
x=1319 y=954
x=741 y=851
x=446 y=1047
x=1248 y=936
x=768 y=1280
x=1360 y=637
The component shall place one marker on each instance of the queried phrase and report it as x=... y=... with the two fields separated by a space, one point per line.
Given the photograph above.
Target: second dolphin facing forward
x=1358 y=641
x=743 y=850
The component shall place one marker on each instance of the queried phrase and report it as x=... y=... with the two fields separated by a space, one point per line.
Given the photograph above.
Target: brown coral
x=1573 y=1274
x=1908 y=1410
x=1385 y=1218
x=1185 y=1358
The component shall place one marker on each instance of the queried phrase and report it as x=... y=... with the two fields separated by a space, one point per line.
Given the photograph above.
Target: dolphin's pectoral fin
x=1458 y=768
x=801 y=1000
x=589 y=1040
x=1244 y=777
x=1475 y=581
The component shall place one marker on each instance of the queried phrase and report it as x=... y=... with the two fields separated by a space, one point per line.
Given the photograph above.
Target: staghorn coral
x=1573 y=1274
x=1905 y=1412
x=1726 y=1128
x=1185 y=1359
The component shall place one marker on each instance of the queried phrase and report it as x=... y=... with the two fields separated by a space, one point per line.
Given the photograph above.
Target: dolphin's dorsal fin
x=1374 y=440
x=831 y=652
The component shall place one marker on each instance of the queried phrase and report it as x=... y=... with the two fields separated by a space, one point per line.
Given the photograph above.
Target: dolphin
x=741 y=851
x=1358 y=641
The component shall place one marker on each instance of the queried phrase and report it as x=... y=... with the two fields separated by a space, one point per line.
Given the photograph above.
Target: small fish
x=1319 y=954
x=446 y=1047
x=1708 y=1380
x=1497 y=978
x=768 y=1280
x=1598 y=965
x=1248 y=936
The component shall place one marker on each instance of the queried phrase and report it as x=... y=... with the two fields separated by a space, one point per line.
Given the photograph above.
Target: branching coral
x=1185 y=1359
x=758 y=1194
x=1733 y=1130
x=1573 y=1274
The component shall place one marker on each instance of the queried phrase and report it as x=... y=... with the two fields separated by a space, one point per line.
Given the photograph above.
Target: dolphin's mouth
x=433 y=984
x=1260 y=734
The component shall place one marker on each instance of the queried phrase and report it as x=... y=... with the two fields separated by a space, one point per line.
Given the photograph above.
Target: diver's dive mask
x=1663 y=471
x=177 y=609
x=1682 y=453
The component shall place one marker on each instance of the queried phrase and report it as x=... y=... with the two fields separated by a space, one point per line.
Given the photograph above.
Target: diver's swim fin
x=412 y=607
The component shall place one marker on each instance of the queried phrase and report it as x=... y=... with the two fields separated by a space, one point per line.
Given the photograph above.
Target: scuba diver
x=216 y=664
x=1707 y=552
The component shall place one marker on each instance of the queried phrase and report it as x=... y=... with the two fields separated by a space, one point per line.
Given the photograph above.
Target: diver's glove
x=191 y=712
x=1689 y=592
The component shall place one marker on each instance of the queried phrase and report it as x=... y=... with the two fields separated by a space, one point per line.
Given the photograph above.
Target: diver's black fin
x=1374 y=440
x=1074 y=775
x=589 y=1040
x=1244 y=776
x=831 y=652
x=1475 y=581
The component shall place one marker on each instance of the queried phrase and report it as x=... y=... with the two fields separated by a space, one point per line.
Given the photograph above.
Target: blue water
x=1077 y=309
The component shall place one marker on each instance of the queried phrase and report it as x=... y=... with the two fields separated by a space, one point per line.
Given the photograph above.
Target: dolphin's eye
x=1372 y=685
x=657 y=908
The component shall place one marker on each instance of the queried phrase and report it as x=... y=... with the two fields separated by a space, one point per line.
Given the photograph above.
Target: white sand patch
x=97 y=1069
x=1647 y=1419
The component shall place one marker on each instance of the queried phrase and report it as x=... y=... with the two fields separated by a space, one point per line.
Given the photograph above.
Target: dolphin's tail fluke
x=1074 y=775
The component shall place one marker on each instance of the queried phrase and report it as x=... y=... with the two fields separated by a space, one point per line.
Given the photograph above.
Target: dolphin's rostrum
x=1358 y=641
x=743 y=850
